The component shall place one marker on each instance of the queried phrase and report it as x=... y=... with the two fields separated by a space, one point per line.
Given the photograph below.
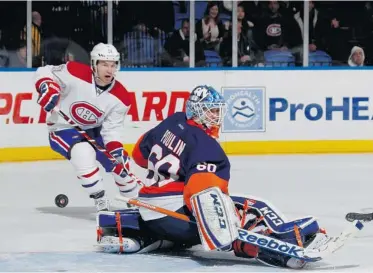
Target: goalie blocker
x=126 y=232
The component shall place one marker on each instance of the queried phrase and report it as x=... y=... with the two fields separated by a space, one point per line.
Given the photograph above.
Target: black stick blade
x=352 y=216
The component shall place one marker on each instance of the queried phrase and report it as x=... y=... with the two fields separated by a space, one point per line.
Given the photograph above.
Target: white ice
x=35 y=235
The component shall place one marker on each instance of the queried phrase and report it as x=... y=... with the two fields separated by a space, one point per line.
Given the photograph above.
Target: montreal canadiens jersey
x=172 y=152
x=83 y=102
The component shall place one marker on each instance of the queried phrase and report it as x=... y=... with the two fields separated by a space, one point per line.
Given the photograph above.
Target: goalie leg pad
x=216 y=218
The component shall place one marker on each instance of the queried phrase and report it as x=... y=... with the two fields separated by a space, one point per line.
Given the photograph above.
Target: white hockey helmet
x=104 y=52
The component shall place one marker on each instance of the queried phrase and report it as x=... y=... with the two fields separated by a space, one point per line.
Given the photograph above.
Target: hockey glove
x=122 y=157
x=122 y=169
x=49 y=95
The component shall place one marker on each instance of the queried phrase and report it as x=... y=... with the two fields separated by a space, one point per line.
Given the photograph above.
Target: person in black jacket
x=272 y=29
x=248 y=53
x=317 y=31
x=177 y=48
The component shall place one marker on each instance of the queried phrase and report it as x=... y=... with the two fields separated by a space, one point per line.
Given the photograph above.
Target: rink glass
x=56 y=32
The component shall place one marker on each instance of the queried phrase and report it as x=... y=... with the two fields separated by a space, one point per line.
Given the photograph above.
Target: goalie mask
x=206 y=106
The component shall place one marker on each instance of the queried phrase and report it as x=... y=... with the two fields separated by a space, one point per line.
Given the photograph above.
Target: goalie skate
x=112 y=244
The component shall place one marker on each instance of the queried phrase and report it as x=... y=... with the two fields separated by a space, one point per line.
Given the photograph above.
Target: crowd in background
x=156 y=33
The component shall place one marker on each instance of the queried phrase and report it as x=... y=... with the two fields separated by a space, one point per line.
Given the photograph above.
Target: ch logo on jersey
x=85 y=113
x=274 y=30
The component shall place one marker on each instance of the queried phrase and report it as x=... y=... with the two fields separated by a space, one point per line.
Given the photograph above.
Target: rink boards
x=269 y=111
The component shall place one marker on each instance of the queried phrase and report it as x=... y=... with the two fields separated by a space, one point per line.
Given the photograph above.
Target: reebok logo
x=271 y=244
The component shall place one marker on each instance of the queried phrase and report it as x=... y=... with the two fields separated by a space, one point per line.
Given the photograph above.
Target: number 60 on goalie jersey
x=181 y=159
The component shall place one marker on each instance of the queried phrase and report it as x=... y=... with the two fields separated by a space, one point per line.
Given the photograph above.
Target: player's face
x=358 y=57
x=213 y=115
x=214 y=118
x=106 y=71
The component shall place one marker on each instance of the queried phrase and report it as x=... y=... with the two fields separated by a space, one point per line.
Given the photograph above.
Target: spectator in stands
x=36 y=35
x=247 y=26
x=177 y=48
x=140 y=47
x=335 y=29
x=316 y=39
x=272 y=30
x=253 y=9
x=248 y=54
x=210 y=30
x=357 y=57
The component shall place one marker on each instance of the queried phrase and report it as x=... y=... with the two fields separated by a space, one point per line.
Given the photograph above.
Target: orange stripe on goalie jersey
x=137 y=155
x=201 y=181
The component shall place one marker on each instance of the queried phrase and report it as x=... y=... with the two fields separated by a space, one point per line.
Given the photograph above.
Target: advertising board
x=280 y=111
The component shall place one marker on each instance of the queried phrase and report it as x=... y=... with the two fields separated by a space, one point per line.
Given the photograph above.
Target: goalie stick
x=90 y=140
x=353 y=216
x=259 y=240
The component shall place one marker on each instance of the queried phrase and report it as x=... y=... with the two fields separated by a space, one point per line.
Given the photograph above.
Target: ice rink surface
x=38 y=236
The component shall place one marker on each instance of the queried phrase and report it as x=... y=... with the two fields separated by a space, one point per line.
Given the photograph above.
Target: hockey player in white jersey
x=98 y=103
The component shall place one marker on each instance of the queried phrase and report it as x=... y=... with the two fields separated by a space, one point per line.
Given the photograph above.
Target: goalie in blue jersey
x=188 y=172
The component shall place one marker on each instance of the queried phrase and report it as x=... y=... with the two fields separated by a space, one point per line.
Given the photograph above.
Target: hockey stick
x=259 y=240
x=352 y=216
x=84 y=133
x=87 y=137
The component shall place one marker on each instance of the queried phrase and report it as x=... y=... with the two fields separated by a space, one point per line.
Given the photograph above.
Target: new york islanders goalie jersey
x=182 y=159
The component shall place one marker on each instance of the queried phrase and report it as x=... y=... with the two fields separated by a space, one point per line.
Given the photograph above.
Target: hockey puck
x=61 y=200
